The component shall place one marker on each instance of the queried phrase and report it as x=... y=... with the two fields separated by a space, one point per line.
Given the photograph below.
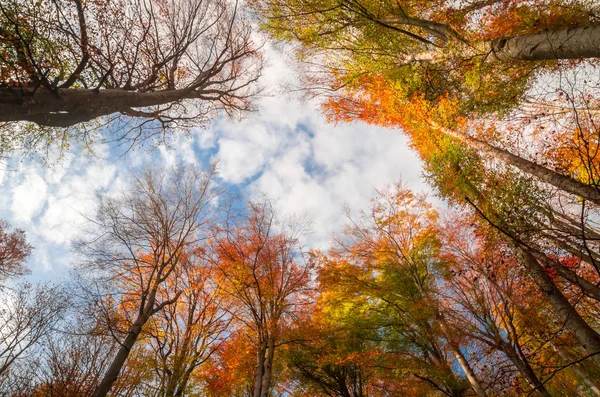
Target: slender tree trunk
x=547 y=175
x=266 y=381
x=115 y=367
x=583 y=42
x=524 y=369
x=588 y=288
x=174 y=378
x=260 y=368
x=462 y=360
x=582 y=375
x=585 y=335
x=183 y=383
x=464 y=364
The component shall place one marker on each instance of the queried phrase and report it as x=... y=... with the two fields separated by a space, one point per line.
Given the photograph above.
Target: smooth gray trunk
x=464 y=364
x=563 y=182
x=582 y=375
x=582 y=42
x=266 y=380
x=585 y=335
x=462 y=360
x=260 y=368
x=524 y=369
x=67 y=107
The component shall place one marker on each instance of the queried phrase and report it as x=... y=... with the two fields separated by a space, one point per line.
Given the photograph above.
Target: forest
x=180 y=285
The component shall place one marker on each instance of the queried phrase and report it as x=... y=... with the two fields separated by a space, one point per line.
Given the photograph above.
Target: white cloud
x=29 y=197
x=286 y=151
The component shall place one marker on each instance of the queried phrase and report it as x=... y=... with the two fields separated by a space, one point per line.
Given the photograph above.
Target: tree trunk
x=182 y=386
x=266 y=381
x=583 y=42
x=67 y=107
x=115 y=367
x=585 y=335
x=547 y=175
x=260 y=368
x=589 y=289
x=582 y=375
x=524 y=369
x=464 y=364
x=462 y=361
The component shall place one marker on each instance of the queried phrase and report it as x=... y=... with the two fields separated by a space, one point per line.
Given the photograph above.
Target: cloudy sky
x=286 y=150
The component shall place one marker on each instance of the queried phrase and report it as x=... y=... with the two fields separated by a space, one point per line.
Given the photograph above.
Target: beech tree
x=14 y=250
x=384 y=271
x=184 y=335
x=262 y=269
x=136 y=247
x=28 y=314
x=434 y=47
x=161 y=65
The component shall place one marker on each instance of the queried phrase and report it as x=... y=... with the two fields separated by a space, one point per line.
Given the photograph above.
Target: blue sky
x=286 y=151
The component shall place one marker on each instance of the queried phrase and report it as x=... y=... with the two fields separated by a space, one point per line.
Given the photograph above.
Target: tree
x=27 y=315
x=262 y=269
x=184 y=335
x=419 y=56
x=511 y=204
x=385 y=270
x=160 y=64
x=14 y=250
x=71 y=363
x=435 y=47
x=485 y=290
x=331 y=354
x=136 y=248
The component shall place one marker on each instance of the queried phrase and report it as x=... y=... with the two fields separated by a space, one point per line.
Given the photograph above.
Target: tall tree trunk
x=582 y=375
x=266 y=381
x=175 y=376
x=471 y=376
x=115 y=367
x=547 y=175
x=134 y=331
x=585 y=335
x=589 y=289
x=182 y=386
x=582 y=42
x=462 y=360
x=69 y=106
x=524 y=369
x=260 y=368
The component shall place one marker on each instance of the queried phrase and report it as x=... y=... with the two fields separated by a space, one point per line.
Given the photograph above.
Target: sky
x=286 y=151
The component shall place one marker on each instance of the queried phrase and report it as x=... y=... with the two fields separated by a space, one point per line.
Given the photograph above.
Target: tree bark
x=115 y=367
x=266 y=380
x=524 y=369
x=565 y=183
x=462 y=360
x=589 y=289
x=67 y=107
x=582 y=42
x=471 y=376
x=585 y=335
x=582 y=375
x=260 y=368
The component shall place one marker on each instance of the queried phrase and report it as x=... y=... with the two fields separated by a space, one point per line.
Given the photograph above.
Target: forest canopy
x=179 y=286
